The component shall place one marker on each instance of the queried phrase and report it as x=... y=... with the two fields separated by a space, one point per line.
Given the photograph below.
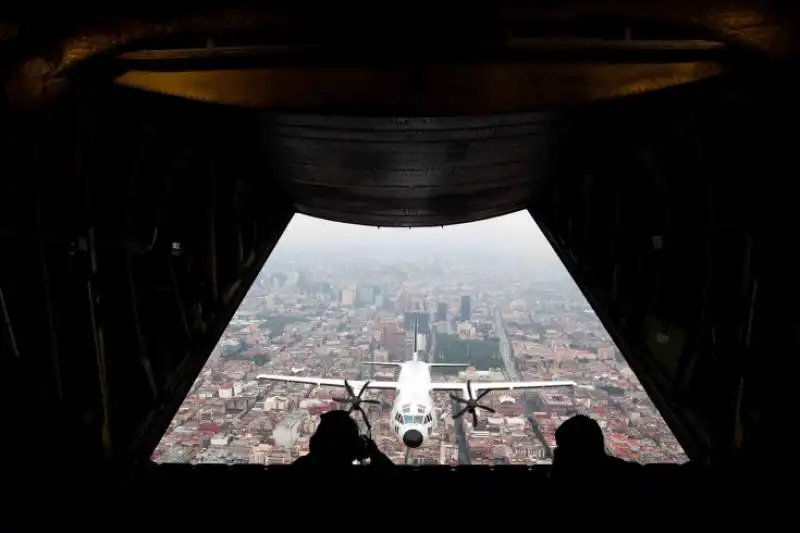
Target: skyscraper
x=393 y=340
x=466 y=307
x=423 y=322
x=348 y=297
x=365 y=295
x=441 y=312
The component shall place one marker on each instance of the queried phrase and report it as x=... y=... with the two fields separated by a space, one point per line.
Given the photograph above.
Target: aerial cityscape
x=333 y=297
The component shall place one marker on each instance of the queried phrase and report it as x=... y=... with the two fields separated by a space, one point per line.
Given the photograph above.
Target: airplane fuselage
x=412 y=414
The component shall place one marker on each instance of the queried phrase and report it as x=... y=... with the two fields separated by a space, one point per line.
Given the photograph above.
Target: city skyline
x=334 y=296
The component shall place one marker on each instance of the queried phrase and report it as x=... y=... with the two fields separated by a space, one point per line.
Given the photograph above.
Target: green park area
x=277 y=323
x=274 y=324
x=482 y=354
x=237 y=353
x=612 y=390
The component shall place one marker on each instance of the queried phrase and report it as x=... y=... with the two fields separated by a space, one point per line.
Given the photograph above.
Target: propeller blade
x=469 y=388
x=482 y=394
x=349 y=389
x=474 y=419
x=376 y=402
x=459 y=399
x=362 y=389
x=487 y=408
x=366 y=420
x=461 y=412
x=342 y=400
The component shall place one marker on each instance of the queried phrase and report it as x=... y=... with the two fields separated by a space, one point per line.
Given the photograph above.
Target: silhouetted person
x=337 y=443
x=581 y=452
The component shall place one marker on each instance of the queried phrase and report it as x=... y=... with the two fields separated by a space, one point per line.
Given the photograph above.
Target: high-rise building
x=466 y=307
x=304 y=282
x=409 y=345
x=277 y=280
x=393 y=340
x=401 y=304
x=348 y=297
x=423 y=322
x=366 y=295
x=441 y=312
x=422 y=342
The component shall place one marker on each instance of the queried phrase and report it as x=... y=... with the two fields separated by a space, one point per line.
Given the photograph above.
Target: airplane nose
x=412 y=438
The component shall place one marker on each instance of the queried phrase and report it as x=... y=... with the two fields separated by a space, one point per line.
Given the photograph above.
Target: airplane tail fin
x=416 y=333
x=416 y=337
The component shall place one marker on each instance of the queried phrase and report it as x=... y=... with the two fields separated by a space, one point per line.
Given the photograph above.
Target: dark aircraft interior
x=153 y=156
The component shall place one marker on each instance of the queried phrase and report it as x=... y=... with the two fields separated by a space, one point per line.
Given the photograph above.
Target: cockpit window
x=414 y=414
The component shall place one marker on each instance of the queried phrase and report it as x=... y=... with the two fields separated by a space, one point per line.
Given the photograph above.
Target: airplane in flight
x=413 y=420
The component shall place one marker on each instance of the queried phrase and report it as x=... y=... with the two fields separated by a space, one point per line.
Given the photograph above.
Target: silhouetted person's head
x=580 y=438
x=337 y=438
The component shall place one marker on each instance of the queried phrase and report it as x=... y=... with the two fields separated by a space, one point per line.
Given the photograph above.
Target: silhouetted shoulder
x=305 y=460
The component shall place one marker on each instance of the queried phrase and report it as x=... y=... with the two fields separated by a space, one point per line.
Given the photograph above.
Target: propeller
x=471 y=404
x=355 y=402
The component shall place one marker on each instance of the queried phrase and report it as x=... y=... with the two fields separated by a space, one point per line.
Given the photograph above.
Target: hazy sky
x=515 y=232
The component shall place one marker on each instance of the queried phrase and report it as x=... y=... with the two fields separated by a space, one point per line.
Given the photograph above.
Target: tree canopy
x=276 y=324
x=482 y=354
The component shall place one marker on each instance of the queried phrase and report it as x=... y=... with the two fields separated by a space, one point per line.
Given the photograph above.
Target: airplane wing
x=329 y=382
x=479 y=386
x=461 y=387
